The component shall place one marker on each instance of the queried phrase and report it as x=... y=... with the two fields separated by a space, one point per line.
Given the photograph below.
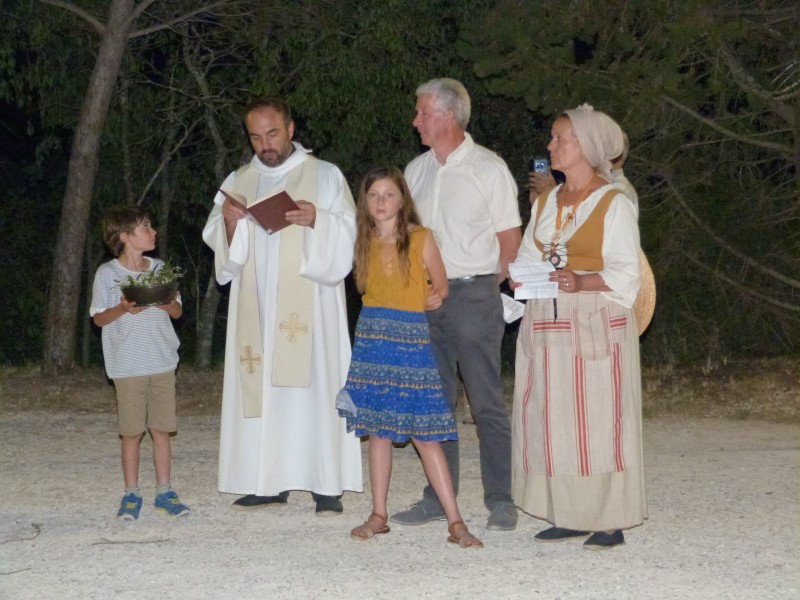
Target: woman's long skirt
x=577 y=415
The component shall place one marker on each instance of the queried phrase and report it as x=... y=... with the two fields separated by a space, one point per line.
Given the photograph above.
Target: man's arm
x=510 y=240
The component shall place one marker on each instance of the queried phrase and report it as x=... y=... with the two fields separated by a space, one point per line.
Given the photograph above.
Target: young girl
x=393 y=390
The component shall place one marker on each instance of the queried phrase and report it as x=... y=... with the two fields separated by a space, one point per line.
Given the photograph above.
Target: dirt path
x=725 y=523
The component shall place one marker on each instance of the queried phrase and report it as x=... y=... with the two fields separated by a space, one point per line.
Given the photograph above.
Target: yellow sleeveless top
x=384 y=279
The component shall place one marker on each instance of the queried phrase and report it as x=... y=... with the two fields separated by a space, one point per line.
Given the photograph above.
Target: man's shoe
x=559 y=534
x=252 y=501
x=601 y=540
x=129 y=507
x=168 y=503
x=328 y=506
x=419 y=513
x=503 y=517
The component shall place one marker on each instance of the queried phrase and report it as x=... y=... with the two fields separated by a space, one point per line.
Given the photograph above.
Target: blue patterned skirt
x=393 y=387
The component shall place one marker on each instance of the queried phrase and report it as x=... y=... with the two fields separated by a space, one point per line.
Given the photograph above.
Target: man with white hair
x=466 y=195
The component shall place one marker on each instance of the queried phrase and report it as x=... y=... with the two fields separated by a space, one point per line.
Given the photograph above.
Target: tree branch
x=37 y=529
x=76 y=10
x=208 y=109
x=749 y=84
x=781 y=148
x=107 y=541
x=767 y=271
x=173 y=22
x=137 y=11
x=742 y=288
x=166 y=159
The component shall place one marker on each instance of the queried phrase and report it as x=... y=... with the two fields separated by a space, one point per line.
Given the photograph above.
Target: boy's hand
x=130 y=307
x=174 y=309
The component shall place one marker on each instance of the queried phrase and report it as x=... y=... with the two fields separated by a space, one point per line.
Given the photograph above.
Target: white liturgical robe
x=298 y=442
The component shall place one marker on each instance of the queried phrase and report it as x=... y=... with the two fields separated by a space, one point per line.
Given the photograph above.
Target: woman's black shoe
x=601 y=540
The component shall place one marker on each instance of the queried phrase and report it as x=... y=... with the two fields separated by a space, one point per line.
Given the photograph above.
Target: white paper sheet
x=512 y=310
x=535 y=280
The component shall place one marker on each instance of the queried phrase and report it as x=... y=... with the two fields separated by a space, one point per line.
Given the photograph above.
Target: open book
x=269 y=212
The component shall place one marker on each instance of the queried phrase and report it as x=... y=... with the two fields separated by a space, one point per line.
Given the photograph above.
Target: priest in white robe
x=287 y=348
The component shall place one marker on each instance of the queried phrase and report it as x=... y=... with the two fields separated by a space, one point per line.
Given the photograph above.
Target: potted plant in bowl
x=152 y=288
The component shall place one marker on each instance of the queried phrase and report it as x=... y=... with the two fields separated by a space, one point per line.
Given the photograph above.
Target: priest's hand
x=232 y=213
x=305 y=215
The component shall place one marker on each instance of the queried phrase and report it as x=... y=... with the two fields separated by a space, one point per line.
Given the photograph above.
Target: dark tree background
x=123 y=101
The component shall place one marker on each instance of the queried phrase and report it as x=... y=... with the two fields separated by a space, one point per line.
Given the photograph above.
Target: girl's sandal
x=466 y=539
x=376 y=524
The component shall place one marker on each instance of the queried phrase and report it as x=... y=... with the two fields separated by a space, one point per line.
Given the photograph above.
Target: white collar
x=459 y=151
x=297 y=157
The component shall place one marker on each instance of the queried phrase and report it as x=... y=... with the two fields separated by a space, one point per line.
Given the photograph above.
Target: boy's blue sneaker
x=168 y=503
x=129 y=507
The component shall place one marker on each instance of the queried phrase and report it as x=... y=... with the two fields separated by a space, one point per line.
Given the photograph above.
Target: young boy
x=140 y=349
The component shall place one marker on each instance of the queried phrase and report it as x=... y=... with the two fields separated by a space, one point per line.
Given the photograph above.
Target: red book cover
x=269 y=212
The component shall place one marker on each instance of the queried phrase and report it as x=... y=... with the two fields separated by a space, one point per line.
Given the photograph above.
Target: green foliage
x=350 y=71
x=709 y=94
x=28 y=220
x=166 y=273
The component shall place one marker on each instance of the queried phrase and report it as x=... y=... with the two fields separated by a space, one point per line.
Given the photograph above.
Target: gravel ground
x=724 y=523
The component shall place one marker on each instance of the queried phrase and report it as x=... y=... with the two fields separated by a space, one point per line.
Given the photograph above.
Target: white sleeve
x=228 y=259
x=621 y=271
x=328 y=246
x=102 y=288
x=503 y=207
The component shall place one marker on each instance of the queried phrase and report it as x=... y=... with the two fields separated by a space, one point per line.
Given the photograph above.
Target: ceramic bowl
x=150 y=295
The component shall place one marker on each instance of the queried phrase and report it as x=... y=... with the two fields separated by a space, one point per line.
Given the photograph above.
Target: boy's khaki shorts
x=146 y=402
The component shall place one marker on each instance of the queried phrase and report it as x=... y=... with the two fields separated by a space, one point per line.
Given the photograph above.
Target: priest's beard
x=275 y=158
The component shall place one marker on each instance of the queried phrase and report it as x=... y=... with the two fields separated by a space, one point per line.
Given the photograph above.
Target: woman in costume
x=576 y=426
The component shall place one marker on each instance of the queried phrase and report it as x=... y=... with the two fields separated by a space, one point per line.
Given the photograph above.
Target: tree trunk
x=127 y=161
x=166 y=191
x=63 y=297
x=205 y=325
x=85 y=321
x=210 y=302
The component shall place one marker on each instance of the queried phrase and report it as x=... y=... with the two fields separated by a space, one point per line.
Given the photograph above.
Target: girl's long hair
x=407 y=215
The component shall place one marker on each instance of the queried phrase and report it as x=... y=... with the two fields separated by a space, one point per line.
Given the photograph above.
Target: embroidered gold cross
x=250 y=359
x=293 y=326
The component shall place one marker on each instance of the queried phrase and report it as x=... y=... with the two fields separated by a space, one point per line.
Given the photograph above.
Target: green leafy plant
x=166 y=273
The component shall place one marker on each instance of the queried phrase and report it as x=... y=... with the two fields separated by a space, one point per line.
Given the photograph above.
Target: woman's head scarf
x=599 y=136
